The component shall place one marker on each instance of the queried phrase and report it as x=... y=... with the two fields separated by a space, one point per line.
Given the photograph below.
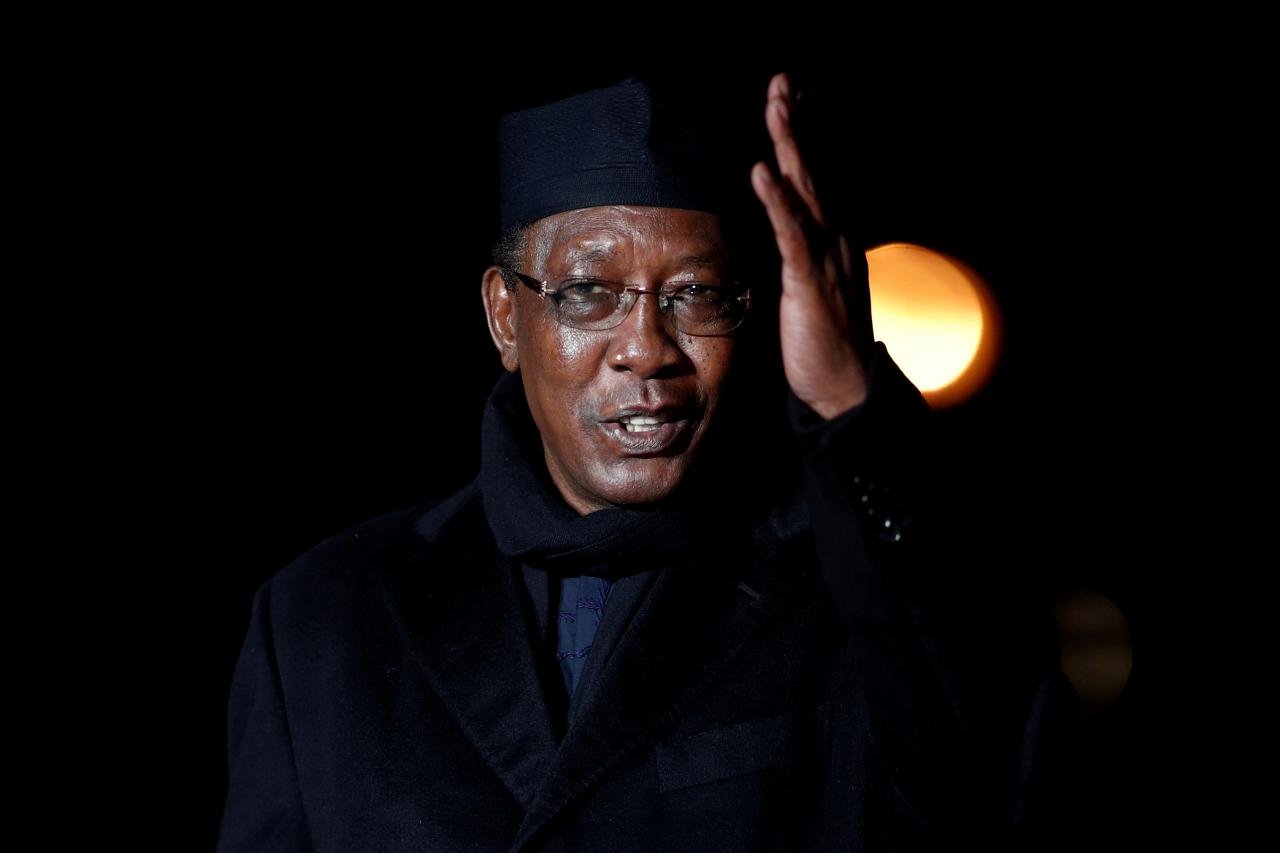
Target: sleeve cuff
x=870 y=457
x=815 y=432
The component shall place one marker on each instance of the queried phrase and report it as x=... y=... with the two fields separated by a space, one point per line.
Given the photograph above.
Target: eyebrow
x=703 y=261
x=602 y=255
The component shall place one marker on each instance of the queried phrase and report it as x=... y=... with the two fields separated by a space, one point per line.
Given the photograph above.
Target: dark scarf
x=533 y=524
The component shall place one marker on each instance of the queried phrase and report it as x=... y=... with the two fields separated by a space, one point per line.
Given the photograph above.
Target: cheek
x=565 y=362
x=714 y=359
x=560 y=356
x=576 y=351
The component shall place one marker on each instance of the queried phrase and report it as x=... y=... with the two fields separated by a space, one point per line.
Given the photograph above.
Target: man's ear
x=500 y=309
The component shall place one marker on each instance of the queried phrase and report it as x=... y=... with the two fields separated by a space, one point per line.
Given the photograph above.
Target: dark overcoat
x=818 y=687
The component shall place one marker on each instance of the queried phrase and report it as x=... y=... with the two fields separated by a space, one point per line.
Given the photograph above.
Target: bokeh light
x=937 y=318
x=1097 y=648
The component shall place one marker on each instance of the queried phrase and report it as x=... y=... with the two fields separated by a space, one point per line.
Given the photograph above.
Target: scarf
x=608 y=557
x=533 y=524
x=580 y=557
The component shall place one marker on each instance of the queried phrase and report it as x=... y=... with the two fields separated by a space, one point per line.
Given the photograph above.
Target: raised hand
x=825 y=314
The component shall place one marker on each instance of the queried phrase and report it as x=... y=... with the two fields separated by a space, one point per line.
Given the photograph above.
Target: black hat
x=634 y=142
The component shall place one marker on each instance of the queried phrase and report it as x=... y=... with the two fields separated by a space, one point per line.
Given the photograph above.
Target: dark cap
x=634 y=142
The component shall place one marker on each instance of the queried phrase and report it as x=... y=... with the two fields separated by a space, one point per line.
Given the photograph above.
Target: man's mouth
x=640 y=423
x=649 y=435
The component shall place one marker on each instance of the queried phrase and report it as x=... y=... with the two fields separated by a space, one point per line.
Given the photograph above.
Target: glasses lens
x=707 y=310
x=590 y=304
x=698 y=309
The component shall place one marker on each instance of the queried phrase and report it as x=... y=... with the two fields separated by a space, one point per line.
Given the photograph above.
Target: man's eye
x=701 y=293
x=586 y=291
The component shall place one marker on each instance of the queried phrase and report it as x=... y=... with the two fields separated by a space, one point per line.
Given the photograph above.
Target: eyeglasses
x=593 y=304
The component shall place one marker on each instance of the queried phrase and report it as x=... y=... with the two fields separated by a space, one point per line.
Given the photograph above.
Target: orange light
x=936 y=317
x=1096 y=647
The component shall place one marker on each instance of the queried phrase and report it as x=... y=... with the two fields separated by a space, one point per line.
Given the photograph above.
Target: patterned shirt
x=582 y=602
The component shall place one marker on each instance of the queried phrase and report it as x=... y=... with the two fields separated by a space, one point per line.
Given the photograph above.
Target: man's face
x=580 y=383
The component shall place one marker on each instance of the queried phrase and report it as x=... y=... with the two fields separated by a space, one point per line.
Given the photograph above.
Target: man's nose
x=645 y=343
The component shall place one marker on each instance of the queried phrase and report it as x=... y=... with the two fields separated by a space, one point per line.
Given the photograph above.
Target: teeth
x=640 y=423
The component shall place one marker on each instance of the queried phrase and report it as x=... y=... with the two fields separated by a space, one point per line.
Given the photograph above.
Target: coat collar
x=481 y=660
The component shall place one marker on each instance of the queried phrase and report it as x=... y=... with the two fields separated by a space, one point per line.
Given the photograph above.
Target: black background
x=320 y=216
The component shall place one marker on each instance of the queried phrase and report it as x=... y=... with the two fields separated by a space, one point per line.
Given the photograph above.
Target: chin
x=647 y=481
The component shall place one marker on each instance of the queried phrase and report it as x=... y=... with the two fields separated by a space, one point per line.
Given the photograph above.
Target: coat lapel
x=694 y=620
x=454 y=602
x=463 y=614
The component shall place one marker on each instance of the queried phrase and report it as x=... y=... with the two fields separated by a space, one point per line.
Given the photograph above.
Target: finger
x=786 y=147
x=846 y=258
x=819 y=240
x=856 y=273
x=788 y=215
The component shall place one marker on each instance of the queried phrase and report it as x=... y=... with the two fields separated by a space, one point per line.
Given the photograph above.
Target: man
x=622 y=636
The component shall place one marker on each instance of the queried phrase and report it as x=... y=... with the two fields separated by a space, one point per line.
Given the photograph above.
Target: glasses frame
x=540 y=287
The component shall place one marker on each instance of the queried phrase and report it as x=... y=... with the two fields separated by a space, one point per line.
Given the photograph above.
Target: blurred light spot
x=937 y=318
x=1097 y=651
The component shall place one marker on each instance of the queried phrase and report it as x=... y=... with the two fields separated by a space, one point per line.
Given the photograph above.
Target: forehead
x=615 y=233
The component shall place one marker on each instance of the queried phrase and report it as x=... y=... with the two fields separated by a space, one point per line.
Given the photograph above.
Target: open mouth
x=645 y=435
x=640 y=423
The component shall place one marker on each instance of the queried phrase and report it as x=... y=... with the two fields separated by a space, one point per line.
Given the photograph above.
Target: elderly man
x=621 y=636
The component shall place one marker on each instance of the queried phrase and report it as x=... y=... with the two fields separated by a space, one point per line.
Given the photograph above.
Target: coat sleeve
x=263 y=808
x=964 y=699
